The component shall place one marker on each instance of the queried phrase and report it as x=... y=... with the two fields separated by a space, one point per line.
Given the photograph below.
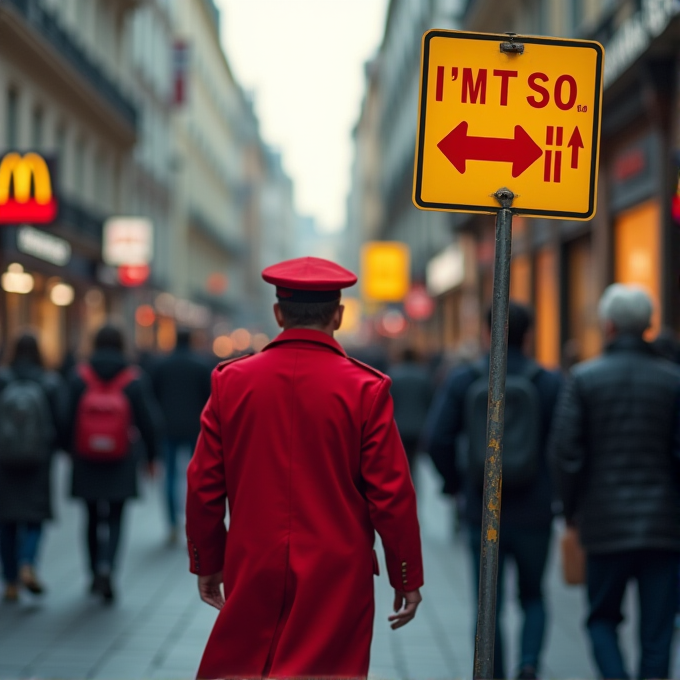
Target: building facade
x=65 y=93
x=379 y=206
x=133 y=105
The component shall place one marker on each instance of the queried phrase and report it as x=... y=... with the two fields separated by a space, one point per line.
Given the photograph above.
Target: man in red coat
x=300 y=442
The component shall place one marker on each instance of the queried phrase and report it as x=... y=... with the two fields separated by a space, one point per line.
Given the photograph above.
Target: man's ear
x=278 y=314
x=337 y=317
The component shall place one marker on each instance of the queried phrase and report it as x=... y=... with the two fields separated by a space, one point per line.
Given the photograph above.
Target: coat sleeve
x=567 y=447
x=390 y=493
x=206 y=495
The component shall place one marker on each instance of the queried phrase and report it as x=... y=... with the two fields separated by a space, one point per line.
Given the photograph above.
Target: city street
x=158 y=626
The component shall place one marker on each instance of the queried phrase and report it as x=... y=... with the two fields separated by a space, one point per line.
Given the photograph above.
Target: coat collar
x=307 y=335
x=625 y=342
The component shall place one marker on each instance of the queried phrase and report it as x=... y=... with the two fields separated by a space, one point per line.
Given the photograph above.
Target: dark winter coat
x=411 y=392
x=526 y=507
x=25 y=495
x=615 y=449
x=181 y=383
x=114 y=480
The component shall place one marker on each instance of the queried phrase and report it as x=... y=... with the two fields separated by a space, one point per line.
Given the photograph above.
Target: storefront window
x=584 y=330
x=637 y=234
x=547 y=308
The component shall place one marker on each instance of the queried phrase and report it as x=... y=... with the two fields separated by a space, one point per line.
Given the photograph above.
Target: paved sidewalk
x=158 y=627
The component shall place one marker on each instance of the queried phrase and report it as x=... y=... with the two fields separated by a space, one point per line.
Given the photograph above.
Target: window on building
x=79 y=166
x=37 y=124
x=12 y=132
x=60 y=147
x=543 y=17
x=575 y=16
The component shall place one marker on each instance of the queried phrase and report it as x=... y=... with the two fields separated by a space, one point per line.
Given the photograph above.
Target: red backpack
x=104 y=428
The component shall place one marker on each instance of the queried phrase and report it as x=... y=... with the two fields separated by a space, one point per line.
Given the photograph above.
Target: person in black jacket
x=526 y=516
x=181 y=383
x=411 y=392
x=105 y=485
x=25 y=493
x=615 y=449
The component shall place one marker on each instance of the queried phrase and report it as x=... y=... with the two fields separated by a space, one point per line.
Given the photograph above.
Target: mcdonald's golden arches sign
x=26 y=189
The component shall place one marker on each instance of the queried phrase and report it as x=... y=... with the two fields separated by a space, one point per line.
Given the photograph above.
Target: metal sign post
x=491 y=510
x=505 y=110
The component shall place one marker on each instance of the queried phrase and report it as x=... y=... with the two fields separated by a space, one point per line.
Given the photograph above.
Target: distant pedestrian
x=616 y=450
x=30 y=424
x=411 y=392
x=181 y=383
x=300 y=442
x=110 y=401
x=457 y=444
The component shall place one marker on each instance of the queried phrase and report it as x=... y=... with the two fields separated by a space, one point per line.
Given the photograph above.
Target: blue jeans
x=529 y=550
x=173 y=448
x=18 y=545
x=656 y=573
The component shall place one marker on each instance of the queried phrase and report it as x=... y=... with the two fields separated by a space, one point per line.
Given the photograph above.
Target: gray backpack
x=26 y=428
x=521 y=439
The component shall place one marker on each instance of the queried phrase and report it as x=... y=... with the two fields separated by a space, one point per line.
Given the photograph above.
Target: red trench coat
x=301 y=443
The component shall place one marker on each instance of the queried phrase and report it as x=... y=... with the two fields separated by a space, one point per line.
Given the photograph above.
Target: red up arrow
x=576 y=143
x=521 y=151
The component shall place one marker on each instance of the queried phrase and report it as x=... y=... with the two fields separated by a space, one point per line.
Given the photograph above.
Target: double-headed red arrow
x=459 y=148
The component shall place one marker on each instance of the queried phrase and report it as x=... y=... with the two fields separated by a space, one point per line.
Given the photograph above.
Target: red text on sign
x=474 y=87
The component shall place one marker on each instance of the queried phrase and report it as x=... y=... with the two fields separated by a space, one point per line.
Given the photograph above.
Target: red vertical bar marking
x=549 y=135
x=548 y=163
x=557 y=175
x=560 y=131
x=440 y=83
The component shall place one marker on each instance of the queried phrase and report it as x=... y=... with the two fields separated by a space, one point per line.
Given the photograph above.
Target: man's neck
x=322 y=329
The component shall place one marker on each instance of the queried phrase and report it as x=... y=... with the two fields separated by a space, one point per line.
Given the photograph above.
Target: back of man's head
x=520 y=320
x=183 y=338
x=308 y=314
x=627 y=308
x=109 y=337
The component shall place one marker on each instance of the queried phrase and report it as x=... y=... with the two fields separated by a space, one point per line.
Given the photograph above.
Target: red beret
x=308 y=279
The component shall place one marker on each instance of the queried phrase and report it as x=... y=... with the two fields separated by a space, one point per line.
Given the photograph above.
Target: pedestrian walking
x=615 y=451
x=181 y=383
x=300 y=442
x=411 y=393
x=457 y=445
x=110 y=403
x=30 y=424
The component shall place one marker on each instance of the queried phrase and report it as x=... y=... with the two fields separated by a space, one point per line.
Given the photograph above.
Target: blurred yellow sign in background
x=385 y=271
x=491 y=119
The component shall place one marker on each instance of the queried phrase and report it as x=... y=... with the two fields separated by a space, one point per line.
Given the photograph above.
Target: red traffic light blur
x=133 y=274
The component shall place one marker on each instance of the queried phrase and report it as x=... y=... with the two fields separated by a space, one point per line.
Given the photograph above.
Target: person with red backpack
x=111 y=408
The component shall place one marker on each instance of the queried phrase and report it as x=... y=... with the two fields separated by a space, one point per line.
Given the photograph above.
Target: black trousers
x=104 y=519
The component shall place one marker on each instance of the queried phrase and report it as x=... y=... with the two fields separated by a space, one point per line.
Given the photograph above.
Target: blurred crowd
x=597 y=443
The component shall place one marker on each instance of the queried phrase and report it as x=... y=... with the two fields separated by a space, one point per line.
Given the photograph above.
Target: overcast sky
x=304 y=61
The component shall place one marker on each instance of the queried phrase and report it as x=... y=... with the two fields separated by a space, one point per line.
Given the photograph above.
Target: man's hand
x=210 y=590
x=405 y=605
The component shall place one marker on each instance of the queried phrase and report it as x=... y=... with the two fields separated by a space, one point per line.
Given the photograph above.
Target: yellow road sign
x=491 y=118
x=385 y=271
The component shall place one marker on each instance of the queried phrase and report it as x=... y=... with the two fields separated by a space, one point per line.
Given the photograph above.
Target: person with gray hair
x=625 y=309
x=615 y=456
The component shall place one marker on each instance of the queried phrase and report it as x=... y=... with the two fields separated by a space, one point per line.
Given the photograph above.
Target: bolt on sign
x=526 y=120
x=385 y=271
x=27 y=189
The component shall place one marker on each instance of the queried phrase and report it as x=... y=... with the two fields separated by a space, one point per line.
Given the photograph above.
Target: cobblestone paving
x=158 y=626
